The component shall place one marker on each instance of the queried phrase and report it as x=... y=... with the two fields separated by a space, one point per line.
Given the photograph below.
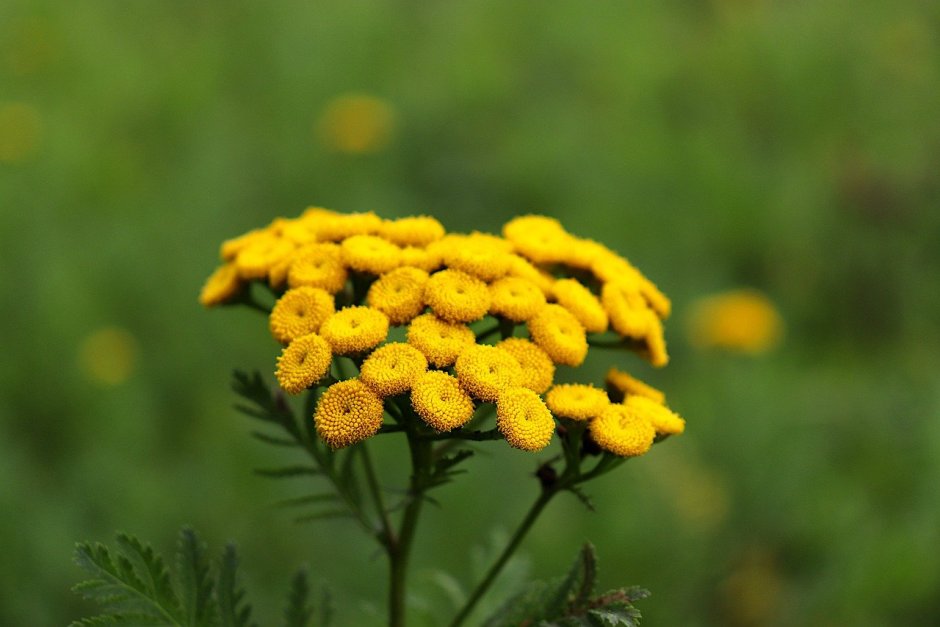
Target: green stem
x=399 y=549
x=497 y=566
x=388 y=532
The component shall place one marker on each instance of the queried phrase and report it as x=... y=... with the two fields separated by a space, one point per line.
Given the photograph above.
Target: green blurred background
x=790 y=147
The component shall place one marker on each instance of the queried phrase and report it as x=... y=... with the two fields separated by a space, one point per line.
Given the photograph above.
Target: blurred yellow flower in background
x=356 y=124
x=108 y=356
x=742 y=320
x=20 y=131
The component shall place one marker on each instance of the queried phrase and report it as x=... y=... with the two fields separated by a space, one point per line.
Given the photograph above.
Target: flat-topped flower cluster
x=342 y=280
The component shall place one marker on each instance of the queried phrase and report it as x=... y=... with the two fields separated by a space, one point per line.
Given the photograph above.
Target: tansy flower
x=440 y=401
x=232 y=246
x=629 y=314
x=621 y=384
x=656 y=299
x=20 y=131
x=522 y=268
x=540 y=238
x=477 y=258
x=538 y=371
x=456 y=296
x=485 y=371
x=220 y=286
x=348 y=412
x=608 y=267
x=579 y=300
x=740 y=320
x=418 y=231
x=318 y=215
x=300 y=231
x=440 y=341
x=576 y=401
x=421 y=258
x=664 y=421
x=370 y=253
x=356 y=124
x=318 y=265
x=353 y=330
x=622 y=431
x=277 y=273
x=656 y=343
x=399 y=294
x=302 y=363
x=516 y=299
x=582 y=253
x=560 y=335
x=300 y=311
x=393 y=368
x=334 y=227
x=524 y=420
x=256 y=258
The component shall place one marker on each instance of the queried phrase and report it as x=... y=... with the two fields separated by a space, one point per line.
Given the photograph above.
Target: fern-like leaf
x=261 y=403
x=135 y=585
x=569 y=601
x=195 y=582
x=234 y=611
x=299 y=610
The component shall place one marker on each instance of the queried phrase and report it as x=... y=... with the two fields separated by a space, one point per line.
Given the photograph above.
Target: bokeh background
x=787 y=148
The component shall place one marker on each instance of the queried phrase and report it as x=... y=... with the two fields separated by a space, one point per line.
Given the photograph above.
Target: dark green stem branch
x=399 y=550
x=498 y=565
x=388 y=532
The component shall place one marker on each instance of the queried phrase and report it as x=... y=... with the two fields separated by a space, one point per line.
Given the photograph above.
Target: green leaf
x=288 y=471
x=233 y=610
x=569 y=601
x=264 y=403
x=195 y=582
x=574 y=590
x=583 y=497
x=299 y=610
x=131 y=584
x=273 y=440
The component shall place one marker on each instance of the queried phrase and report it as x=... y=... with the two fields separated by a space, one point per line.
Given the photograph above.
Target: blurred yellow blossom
x=20 y=131
x=108 y=356
x=356 y=124
x=742 y=320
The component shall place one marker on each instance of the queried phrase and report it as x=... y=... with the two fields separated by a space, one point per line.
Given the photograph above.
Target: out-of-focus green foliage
x=791 y=147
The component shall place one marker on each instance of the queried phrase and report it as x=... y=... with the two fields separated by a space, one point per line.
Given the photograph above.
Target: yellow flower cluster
x=341 y=281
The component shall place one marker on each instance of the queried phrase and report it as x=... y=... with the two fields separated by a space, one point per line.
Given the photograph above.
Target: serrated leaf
x=575 y=588
x=195 y=582
x=568 y=602
x=264 y=403
x=298 y=611
x=120 y=589
x=615 y=615
x=523 y=608
x=323 y=609
x=233 y=610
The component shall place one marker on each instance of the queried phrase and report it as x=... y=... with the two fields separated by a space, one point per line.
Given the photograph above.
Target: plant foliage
x=133 y=586
x=570 y=601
